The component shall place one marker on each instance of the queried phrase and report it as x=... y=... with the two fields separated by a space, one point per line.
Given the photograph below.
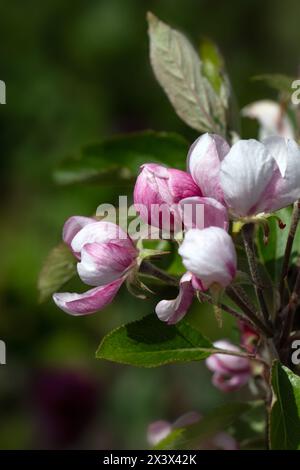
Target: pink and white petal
x=88 y=302
x=204 y=159
x=171 y=311
x=225 y=441
x=103 y=263
x=203 y=212
x=73 y=225
x=245 y=173
x=210 y=255
x=100 y=232
x=227 y=383
x=284 y=188
x=158 y=431
x=279 y=149
x=272 y=119
x=191 y=417
x=182 y=185
x=226 y=364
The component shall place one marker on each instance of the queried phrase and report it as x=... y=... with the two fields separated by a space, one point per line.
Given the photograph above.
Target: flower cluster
x=244 y=182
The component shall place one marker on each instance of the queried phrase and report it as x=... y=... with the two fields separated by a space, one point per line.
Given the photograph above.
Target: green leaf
x=150 y=342
x=179 y=71
x=195 y=435
x=59 y=267
x=271 y=255
x=214 y=70
x=285 y=410
x=117 y=160
x=279 y=82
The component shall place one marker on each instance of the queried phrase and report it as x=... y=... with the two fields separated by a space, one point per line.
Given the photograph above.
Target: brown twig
x=240 y=302
x=288 y=312
x=247 y=233
x=288 y=248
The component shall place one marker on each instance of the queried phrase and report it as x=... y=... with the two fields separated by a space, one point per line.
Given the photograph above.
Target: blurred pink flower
x=229 y=372
x=159 y=430
x=272 y=118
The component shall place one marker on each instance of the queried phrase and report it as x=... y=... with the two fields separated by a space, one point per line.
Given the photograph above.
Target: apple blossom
x=157 y=192
x=106 y=255
x=250 y=178
x=229 y=372
x=210 y=255
x=261 y=177
x=272 y=118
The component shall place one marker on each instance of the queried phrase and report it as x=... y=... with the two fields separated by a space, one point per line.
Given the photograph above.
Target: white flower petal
x=245 y=173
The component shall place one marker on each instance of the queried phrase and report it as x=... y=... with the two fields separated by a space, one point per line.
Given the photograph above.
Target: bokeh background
x=77 y=71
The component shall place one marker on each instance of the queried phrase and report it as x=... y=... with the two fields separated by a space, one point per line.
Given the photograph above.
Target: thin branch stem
x=229 y=310
x=288 y=312
x=247 y=233
x=228 y=352
x=240 y=302
x=288 y=248
x=153 y=271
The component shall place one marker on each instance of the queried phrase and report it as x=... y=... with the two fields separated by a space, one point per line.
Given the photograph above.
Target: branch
x=288 y=248
x=247 y=232
x=244 y=306
x=151 y=270
x=228 y=309
x=288 y=312
x=228 y=352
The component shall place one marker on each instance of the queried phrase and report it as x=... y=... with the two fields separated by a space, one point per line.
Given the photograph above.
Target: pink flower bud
x=229 y=372
x=249 y=337
x=106 y=255
x=210 y=255
x=157 y=193
x=204 y=160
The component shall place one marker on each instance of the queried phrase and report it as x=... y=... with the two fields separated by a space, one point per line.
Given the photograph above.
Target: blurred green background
x=75 y=72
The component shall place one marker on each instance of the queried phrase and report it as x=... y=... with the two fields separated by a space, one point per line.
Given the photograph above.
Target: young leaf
x=117 y=160
x=271 y=255
x=285 y=410
x=279 y=82
x=195 y=435
x=59 y=267
x=178 y=69
x=151 y=343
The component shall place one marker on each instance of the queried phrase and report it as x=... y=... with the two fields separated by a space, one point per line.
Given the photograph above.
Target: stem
x=288 y=312
x=228 y=352
x=247 y=232
x=288 y=248
x=240 y=302
x=151 y=270
x=228 y=309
